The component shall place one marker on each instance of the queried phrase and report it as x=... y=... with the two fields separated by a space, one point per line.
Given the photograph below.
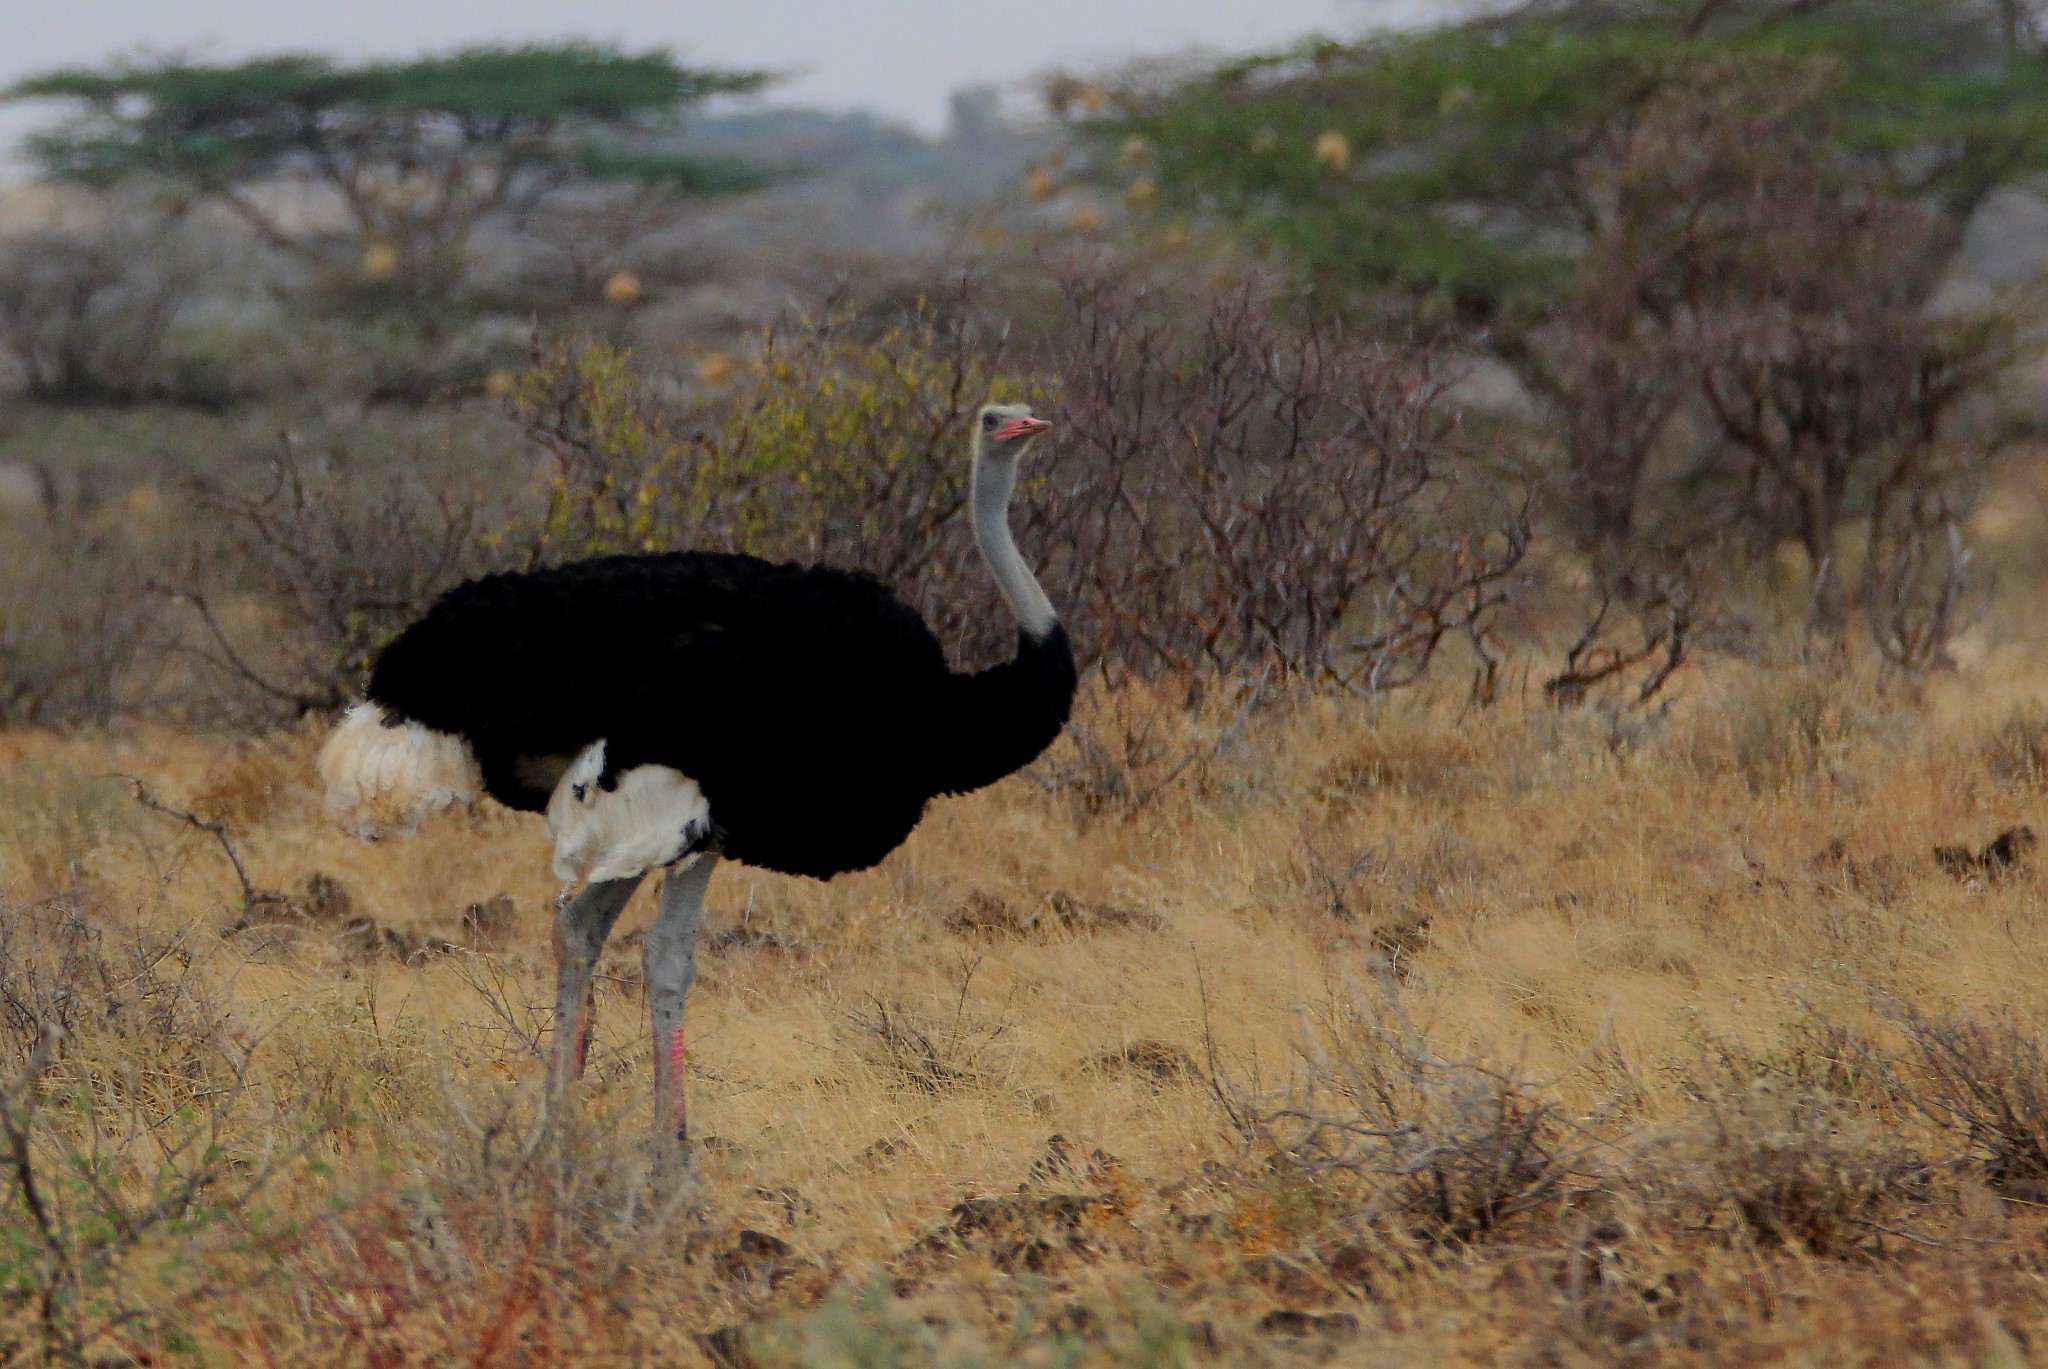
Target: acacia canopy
x=1463 y=166
x=418 y=151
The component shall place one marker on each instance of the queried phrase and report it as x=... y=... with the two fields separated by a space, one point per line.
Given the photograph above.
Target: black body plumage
x=812 y=706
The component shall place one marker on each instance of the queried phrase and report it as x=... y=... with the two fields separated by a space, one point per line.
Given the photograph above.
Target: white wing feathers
x=651 y=817
x=381 y=778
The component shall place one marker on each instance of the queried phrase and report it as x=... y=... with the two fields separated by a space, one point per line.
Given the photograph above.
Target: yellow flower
x=717 y=369
x=499 y=383
x=1333 y=150
x=1086 y=219
x=1141 y=193
x=1136 y=151
x=1094 y=99
x=1178 y=234
x=380 y=260
x=143 y=501
x=1039 y=183
x=623 y=287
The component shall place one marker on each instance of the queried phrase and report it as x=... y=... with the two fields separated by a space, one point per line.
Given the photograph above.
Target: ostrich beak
x=1021 y=427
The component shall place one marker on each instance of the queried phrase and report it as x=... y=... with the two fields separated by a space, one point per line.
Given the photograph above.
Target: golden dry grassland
x=1324 y=1031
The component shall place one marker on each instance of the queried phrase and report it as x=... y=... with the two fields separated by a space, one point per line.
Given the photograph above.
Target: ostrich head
x=1005 y=430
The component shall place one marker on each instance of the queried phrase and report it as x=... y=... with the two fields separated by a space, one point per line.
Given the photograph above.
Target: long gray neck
x=995 y=477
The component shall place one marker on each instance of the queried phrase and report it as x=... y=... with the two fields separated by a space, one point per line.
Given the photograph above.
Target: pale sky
x=900 y=57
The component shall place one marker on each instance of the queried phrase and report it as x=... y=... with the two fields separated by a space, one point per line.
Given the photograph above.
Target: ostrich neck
x=995 y=478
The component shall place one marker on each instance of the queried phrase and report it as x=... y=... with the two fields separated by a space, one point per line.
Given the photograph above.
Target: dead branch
x=215 y=827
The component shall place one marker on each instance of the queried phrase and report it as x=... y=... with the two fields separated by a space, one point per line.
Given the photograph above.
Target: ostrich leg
x=580 y=931
x=671 y=965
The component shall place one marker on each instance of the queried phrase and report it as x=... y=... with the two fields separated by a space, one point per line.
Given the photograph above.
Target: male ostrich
x=674 y=708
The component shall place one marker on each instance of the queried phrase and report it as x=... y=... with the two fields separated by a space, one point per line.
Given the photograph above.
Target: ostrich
x=680 y=708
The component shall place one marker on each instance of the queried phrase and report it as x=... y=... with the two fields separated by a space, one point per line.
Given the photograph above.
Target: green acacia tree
x=1463 y=171
x=415 y=155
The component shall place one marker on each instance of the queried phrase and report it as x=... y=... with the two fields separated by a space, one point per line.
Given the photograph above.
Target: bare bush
x=1989 y=1080
x=1823 y=372
x=122 y=1136
x=1752 y=349
x=85 y=314
x=1441 y=1151
x=89 y=311
x=1291 y=492
x=330 y=560
x=1782 y=1163
x=1615 y=381
x=934 y=1051
x=76 y=629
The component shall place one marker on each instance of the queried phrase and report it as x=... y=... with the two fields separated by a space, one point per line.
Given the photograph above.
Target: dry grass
x=1410 y=1036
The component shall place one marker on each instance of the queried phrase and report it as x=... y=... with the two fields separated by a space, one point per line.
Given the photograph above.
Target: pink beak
x=1021 y=427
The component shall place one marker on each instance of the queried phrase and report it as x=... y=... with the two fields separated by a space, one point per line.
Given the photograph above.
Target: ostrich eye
x=988 y=421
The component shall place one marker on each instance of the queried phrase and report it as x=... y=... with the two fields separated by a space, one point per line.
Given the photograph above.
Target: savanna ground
x=1286 y=1028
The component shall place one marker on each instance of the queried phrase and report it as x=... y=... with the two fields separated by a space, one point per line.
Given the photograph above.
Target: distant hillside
x=854 y=180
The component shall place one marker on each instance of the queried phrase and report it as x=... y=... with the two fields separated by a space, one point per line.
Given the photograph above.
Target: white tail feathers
x=385 y=776
x=650 y=817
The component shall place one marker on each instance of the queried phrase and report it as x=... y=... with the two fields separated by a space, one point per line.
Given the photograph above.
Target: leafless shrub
x=95 y=309
x=86 y=311
x=1615 y=381
x=928 y=1052
x=330 y=560
x=510 y=1236
x=1752 y=349
x=922 y=1053
x=1336 y=880
x=76 y=628
x=1989 y=1080
x=1238 y=490
x=1783 y=1163
x=217 y=828
x=120 y=1134
x=1441 y=1151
